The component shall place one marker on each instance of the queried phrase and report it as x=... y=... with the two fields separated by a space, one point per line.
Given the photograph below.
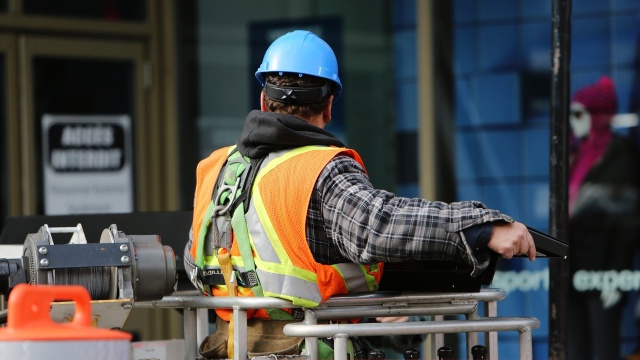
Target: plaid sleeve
x=368 y=225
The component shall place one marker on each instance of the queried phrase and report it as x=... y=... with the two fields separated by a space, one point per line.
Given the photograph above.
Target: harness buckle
x=223 y=229
x=224 y=200
x=231 y=191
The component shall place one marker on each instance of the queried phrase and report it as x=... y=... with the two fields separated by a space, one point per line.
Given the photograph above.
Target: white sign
x=87 y=164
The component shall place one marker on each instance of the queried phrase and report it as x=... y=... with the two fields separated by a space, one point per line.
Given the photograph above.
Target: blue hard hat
x=301 y=52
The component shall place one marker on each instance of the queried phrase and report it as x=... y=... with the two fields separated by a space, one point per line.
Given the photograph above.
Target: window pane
x=3 y=144
x=232 y=55
x=108 y=10
x=68 y=86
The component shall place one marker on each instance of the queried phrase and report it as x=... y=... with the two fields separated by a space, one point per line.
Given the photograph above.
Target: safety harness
x=230 y=198
x=271 y=256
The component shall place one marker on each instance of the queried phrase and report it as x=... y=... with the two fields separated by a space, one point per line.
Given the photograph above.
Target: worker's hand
x=389 y=319
x=511 y=239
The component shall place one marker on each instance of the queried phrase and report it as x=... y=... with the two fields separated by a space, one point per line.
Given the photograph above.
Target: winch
x=120 y=266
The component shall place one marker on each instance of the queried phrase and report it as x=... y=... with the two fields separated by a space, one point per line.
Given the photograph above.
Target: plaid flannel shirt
x=350 y=221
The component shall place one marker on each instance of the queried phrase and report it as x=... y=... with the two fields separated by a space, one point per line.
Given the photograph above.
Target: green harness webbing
x=232 y=193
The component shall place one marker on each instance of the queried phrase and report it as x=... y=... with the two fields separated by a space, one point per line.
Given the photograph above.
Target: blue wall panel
x=626 y=5
x=464 y=10
x=504 y=195
x=467 y=156
x=535 y=147
x=502 y=51
x=500 y=153
x=534 y=45
x=497 y=98
x=625 y=35
x=536 y=204
x=623 y=78
x=590 y=42
x=407 y=106
x=498 y=46
x=489 y=10
x=405 y=56
x=465 y=49
x=590 y=7
x=535 y=9
x=466 y=112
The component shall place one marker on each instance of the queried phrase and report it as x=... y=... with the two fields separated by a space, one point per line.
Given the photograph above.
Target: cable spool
x=134 y=267
x=97 y=280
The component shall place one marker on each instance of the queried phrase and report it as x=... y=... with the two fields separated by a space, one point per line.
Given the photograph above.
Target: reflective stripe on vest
x=206 y=176
x=285 y=265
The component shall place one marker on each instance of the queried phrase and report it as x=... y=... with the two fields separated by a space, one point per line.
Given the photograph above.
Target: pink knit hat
x=599 y=98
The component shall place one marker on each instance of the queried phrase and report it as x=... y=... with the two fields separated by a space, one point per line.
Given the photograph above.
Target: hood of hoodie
x=266 y=132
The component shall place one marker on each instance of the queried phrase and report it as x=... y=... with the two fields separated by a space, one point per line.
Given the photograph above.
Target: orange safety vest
x=276 y=224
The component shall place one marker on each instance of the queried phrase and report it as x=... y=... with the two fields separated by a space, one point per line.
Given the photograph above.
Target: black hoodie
x=266 y=132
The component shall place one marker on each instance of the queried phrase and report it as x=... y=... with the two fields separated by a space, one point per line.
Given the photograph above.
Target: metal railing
x=434 y=305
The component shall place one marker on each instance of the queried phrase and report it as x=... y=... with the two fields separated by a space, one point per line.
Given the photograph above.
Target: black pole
x=558 y=175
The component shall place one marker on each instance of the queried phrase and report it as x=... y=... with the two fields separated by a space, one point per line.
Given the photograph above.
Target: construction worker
x=289 y=212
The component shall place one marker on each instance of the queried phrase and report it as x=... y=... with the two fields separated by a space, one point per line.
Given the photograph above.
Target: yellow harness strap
x=224 y=258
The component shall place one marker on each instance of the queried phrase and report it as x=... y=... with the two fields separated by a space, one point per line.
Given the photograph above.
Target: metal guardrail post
x=240 y=333
x=437 y=340
x=189 y=321
x=526 y=346
x=491 y=338
x=202 y=324
x=340 y=346
x=311 y=343
x=380 y=304
x=472 y=337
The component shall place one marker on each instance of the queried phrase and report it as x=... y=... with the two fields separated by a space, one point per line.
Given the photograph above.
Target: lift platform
x=434 y=305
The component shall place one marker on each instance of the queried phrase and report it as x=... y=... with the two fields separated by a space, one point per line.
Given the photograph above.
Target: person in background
x=603 y=220
x=289 y=212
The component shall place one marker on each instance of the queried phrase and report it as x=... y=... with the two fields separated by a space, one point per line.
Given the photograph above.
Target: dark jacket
x=604 y=228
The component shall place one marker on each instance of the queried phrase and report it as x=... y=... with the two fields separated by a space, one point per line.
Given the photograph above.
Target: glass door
x=84 y=109
x=9 y=200
x=103 y=76
x=4 y=201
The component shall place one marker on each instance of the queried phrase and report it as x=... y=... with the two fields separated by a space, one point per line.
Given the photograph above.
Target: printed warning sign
x=87 y=164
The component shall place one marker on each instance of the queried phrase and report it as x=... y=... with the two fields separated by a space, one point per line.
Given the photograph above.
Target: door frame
x=31 y=47
x=157 y=161
x=156 y=111
x=8 y=48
